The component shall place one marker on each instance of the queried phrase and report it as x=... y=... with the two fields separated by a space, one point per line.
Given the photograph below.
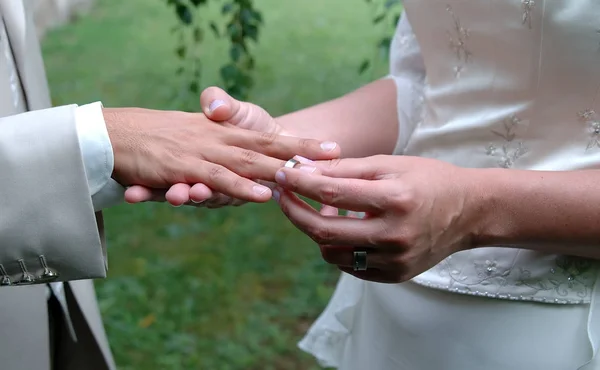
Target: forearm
x=554 y=212
x=363 y=122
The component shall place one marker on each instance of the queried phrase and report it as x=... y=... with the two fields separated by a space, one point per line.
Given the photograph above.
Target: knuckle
x=216 y=173
x=266 y=138
x=329 y=193
x=248 y=157
x=307 y=144
x=320 y=234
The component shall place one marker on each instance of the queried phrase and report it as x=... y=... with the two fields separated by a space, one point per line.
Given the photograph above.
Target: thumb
x=219 y=106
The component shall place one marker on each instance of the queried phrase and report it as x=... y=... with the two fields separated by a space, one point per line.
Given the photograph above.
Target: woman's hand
x=417 y=212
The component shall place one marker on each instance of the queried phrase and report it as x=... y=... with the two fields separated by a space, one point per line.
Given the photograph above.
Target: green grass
x=210 y=289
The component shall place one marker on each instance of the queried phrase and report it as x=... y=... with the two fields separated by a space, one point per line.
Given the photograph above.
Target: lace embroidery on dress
x=511 y=149
x=568 y=277
x=527 y=6
x=590 y=118
x=458 y=43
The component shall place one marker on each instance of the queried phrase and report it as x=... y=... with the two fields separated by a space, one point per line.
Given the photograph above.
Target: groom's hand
x=158 y=149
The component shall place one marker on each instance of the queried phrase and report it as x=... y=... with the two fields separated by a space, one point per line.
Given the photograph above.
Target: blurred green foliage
x=240 y=22
x=210 y=289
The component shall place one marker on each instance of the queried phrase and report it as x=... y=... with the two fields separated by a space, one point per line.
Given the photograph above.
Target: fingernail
x=280 y=177
x=260 y=190
x=303 y=160
x=215 y=104
x=276 y=195
x=198 y=201
x=328 y=146
x=309 y=169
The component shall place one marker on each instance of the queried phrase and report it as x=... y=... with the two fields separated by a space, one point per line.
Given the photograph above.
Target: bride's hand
x=224 y=109
x=418 y=212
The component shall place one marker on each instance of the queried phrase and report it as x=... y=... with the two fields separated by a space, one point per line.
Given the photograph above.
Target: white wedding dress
x=484 y=83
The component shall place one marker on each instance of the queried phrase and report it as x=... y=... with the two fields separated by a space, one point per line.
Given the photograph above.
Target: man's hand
x=158 y=149
x=229 y=112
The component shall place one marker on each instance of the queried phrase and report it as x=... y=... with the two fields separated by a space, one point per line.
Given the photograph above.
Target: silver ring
x=359 y=261
x=291 y=163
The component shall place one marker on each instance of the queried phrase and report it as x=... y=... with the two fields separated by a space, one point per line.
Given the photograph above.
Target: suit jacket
x=48 y=228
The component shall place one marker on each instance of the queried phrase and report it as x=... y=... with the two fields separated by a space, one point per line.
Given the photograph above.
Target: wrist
x=489 y=197
x=113 y=119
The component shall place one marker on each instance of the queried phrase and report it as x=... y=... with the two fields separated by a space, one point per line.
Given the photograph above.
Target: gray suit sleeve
x=47 y=222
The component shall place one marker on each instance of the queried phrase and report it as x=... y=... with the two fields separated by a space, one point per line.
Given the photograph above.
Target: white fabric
x=98 y=160
x=98 y=157
x=513 y=84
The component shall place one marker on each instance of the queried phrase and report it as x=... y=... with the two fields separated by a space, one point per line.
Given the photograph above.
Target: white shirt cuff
x=98 y=157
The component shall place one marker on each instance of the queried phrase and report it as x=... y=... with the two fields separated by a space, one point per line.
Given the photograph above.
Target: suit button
x=48 y=275
x=27 y=278
x=5 y=280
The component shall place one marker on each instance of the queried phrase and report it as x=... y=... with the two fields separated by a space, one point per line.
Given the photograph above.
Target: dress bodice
x=513 y=84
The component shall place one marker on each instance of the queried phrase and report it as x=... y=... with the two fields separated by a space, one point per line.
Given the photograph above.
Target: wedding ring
x=359 y=262
x=291 y=163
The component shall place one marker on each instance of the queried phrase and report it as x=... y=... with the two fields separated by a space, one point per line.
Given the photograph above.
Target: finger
x=353 y=194
x=369 y=168
x=221 y=107
x=200 y=193
x=280 y=146
x=248 y=163
x=217 y=104
x=328 y=210
x=222 y=180
x=343 y=255
x=137 y=194
x=326 y=230
x=178 y=194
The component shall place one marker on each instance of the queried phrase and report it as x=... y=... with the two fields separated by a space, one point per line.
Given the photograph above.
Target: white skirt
x=410 y=327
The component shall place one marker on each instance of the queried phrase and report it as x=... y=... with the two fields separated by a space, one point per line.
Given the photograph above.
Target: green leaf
x=179 y=71
x=214 y=28
x=229 y=72
x=194 y=87
x=363 y=66
x=198 y=2
x=183 y=13
x=235 y=52
x=379 y=18
x=234 y=31
x=227 y=8
x=249 y=63
x=391 y=3
x=384 y=46
x=252 y=32
x=181 y=51
x=198 y=34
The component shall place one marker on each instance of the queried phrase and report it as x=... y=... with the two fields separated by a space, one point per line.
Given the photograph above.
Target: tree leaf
x=390 y=3
x=252 y=32
x=213 y=27
x=183 y=13
x=379 y=18
x=363 y=66
x=198 y=34
x=235 y=52
x=227 y=8
x=181 y=51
